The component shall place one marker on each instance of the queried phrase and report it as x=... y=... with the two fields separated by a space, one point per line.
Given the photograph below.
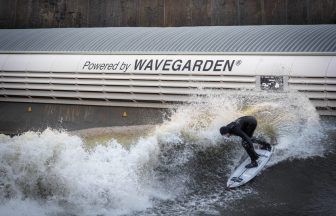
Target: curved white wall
x=118 y=80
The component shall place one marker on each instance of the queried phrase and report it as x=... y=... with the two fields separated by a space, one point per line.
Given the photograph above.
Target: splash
x=288 y=120
x=53 y=166
x=183 y=160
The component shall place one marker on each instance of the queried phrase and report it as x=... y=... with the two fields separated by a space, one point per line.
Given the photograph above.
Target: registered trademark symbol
x=239 y=62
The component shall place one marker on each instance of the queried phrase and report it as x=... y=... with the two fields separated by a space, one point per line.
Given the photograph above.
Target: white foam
x=27 y=207
x=55 y=165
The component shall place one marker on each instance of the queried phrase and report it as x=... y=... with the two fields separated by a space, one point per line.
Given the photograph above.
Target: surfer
x=244 y=127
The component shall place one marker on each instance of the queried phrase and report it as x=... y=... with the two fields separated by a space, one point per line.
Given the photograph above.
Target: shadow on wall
x=20 y=117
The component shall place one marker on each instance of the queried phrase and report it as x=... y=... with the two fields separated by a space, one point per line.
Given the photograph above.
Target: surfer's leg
x=264 y=145
x=250 y=151
x=253 y=155
x=249 y=130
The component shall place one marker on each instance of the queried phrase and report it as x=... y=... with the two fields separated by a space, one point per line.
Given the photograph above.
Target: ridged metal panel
x=128 y=88
x=215 y=39
x=155 y=90
x=320 y=90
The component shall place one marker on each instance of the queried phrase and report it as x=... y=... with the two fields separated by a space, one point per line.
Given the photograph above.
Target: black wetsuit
x=244 y=127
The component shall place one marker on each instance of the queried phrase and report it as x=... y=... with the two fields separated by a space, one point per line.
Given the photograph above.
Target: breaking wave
x=180 y=167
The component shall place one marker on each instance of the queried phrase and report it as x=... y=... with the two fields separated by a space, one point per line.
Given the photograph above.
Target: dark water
x=294 y=187
x=298 y=187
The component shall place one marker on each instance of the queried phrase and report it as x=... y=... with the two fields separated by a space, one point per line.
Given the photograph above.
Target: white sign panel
x=234 y=65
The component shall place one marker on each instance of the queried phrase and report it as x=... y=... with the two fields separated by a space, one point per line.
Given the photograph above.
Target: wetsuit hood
x=228 y=128
x=224 y=130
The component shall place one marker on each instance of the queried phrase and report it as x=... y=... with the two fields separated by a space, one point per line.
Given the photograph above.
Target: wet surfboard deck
x=241 y=175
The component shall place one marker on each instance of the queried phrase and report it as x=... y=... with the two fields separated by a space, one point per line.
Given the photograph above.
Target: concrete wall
x=99 y=13
x=20 y=117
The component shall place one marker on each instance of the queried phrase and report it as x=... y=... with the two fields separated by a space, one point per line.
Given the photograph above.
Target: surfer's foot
x=251 y=165
x=266 y=147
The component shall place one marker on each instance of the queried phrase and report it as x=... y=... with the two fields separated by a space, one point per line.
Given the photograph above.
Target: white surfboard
x=241 y=175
